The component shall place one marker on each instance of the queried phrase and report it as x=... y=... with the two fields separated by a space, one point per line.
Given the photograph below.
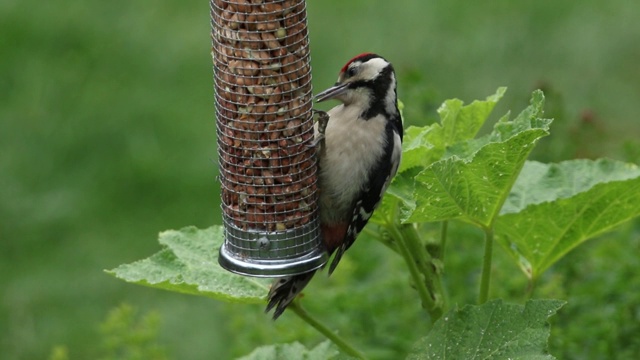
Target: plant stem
x=486 y=266
x=443 y=239
x=425 y=296
x=531 y=287
x=407 y=242
x=324 y=330
x=428 y=268
x=382 y=239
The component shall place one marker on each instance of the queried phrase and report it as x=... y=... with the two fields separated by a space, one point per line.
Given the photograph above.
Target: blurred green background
x=107 y=138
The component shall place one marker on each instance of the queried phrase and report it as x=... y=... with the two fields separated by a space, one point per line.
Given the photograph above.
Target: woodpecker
x=360 y=153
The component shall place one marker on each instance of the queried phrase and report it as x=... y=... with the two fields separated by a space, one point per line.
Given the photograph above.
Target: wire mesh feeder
x=262 y=78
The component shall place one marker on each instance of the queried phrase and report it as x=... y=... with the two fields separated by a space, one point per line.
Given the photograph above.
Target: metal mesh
x=268 y=170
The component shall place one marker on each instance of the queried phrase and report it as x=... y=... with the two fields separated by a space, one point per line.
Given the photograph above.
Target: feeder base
x=271 y=267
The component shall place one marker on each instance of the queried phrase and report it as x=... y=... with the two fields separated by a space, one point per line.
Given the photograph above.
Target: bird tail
x=284 y=290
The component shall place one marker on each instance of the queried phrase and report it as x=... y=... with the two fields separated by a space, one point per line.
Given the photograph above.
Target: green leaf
x=126 y=334
x=493 y=330
x=293 y=351
x=473 y=182
x=555 y=207
x=189 y=264
x=461 y=123
x=424 y=145
x=421 y=146
x=400 y=192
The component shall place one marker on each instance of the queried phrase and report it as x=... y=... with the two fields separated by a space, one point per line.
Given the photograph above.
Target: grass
x=107 y=138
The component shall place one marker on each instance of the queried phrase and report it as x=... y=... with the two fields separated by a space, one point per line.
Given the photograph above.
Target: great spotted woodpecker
x=360 y=154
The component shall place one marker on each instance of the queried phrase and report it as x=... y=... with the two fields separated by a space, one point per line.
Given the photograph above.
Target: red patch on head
x=344 y=68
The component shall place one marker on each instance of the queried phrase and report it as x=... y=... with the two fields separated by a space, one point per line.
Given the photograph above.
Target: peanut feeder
x=268 y=170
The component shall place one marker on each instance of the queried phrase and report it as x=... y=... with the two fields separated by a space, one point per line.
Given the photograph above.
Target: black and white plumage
x=361 y=153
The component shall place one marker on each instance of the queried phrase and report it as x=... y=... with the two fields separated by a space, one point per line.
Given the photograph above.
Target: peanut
x=263 y=100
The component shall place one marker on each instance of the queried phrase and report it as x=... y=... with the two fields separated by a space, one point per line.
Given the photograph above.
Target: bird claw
x=323 y=120
x=315 y=142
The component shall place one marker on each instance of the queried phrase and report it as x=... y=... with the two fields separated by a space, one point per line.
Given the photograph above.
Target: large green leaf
x=189 y=264
x=472 y=182
x=293 y=351
x=555 y=207
x=399 y=194
x=493 y=330
x=424 y=145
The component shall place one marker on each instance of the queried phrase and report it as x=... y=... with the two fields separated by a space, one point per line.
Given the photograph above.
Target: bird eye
x=352 y=71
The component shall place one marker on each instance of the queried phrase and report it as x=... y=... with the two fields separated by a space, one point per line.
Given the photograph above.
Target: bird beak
x=332 y=92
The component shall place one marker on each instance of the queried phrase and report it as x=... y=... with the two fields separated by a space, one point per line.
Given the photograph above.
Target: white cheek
x=373 y=68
